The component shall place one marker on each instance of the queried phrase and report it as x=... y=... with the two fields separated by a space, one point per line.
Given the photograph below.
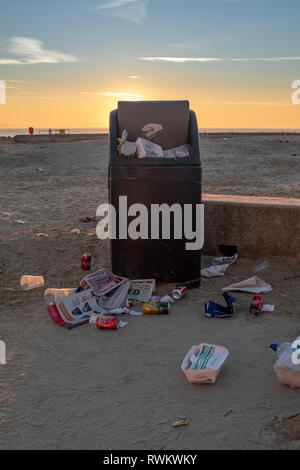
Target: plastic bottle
x=281 y=348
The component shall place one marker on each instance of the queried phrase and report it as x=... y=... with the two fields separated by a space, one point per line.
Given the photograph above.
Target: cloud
x=180 y=45
x=129 y=10
x=114 y=94
x=247 y=103
x=16 y=81
x=117 y=94
x=10 y=62
x=32 y=51
x=181 y=60
x=135 y=77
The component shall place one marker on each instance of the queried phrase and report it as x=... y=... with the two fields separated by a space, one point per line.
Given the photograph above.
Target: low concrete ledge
x=56 y=138
x=258 y=226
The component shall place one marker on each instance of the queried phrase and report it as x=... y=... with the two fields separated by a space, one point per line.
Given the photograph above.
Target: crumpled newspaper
x=254 y=285
x=219 y=267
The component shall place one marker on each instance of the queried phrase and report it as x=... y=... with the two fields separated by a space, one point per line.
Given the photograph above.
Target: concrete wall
x=258 y=226
x=56 y=138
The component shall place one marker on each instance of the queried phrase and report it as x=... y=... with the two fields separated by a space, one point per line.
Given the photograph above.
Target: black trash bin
x=155 y=181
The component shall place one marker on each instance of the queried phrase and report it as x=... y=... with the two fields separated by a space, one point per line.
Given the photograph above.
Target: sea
x=101 y=130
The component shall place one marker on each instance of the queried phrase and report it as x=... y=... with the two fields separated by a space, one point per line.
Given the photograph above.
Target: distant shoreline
x=101 y=133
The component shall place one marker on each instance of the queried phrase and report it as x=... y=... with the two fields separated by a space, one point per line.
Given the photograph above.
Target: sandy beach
x=88 y=389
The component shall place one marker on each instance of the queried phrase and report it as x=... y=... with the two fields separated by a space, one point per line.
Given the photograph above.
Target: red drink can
x=107 y=323
x=257 y=305
x=86 y=261
x=179 y=293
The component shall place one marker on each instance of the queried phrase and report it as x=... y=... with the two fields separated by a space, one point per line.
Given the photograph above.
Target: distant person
x=50 y=131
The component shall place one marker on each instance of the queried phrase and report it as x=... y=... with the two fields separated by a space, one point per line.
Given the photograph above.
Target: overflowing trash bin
x=160 y=166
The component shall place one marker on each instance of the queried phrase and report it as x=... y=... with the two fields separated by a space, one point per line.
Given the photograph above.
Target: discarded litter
x=43 y=235
x=178 y=152
x=55 y=315
x=168 y=299
x=261 y=267
x=203 y=363
x=144 y=148
x=141 y=290
x=22 y=222
x=135 y=314
x=257 y=305
x=86 y=261
x=219 y=266
x=156 y=308
x=150 y=130
x=76 y=308
x=109 y=323
x=102 y=282
x=109 y=289
x=76 y=230
x=179 y=293
x=100 y=294
x=268 y=308
x=225 y=260
x=284 y=296
x=181 y=421
x=214 y=271
x=253 y=285
x=51 y=294
x=31 y=282
x=129 y=149
x=125 y=148
x=214 y=310
x=287 y=367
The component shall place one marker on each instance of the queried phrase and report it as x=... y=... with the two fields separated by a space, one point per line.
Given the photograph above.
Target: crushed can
x=156 y=308
x=179 y=293
x=86 y=261
x=107 y=323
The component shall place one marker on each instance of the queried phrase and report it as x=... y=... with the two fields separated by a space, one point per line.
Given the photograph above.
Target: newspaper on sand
x=103 y=281
x=116 y=298
x=76 y=308
x=102 y=291
x=254 y=285
x=141 y=290
x=219 y=266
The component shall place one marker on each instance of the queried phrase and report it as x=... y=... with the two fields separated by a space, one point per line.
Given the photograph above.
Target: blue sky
x=93 y=47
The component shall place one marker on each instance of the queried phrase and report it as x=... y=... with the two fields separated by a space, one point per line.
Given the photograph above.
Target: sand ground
x=88 y=389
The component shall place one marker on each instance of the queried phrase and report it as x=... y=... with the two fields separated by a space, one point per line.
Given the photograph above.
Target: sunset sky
x=66 y=63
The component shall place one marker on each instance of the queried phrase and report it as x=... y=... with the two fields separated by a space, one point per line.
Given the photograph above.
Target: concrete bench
x=258 y=226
